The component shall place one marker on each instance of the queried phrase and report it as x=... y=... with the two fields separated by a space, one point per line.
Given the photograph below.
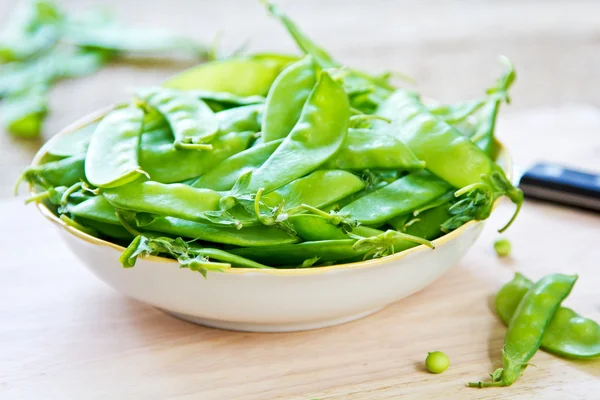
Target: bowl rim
x=98 y=114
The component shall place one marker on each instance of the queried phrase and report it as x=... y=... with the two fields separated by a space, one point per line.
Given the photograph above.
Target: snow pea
x=286 y=98
x=175 y=200
x=64 y=172
x=363 y=149
x=312 y=227
x=166 y=164
x=295 y=254
x=73 y=143
x=223 y=176
x=97 y=209
x=111 y=231
x=112 y=156
x=317 y=189
x=240 y=119
x=399 y=197
x=226 y=100
x=568 y=334
x=527 y=326
x=248 y=236
x=428 y=224
x=242 y=76
x=318 y=135
x=448 y=154
x=192 y=122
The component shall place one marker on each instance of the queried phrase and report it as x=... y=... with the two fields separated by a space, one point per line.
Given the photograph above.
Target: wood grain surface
x=66 y=335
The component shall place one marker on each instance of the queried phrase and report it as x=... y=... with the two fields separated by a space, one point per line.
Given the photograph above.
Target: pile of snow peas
x=41 y=44
x=276 y=161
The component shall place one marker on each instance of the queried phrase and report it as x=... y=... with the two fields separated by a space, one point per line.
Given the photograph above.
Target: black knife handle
x=557 y=184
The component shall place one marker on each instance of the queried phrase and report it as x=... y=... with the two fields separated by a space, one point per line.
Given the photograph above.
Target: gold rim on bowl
x=502 y=154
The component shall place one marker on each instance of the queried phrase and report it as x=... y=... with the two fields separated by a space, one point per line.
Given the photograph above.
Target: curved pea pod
x=363 y=149
x=97 y=209
x=295 y=254
x=65 y=172
x=527 y=326
x=249 y=236
x=74 y=143
x=318 y=135
x=448 y=154
x=399 y=197
x=317 y=189
x=427 y=224
x=175 y=200
x=568 y=334
x=225 y=256
x=224 y=176
x=165 y=164
x=192 y=122
x=112 y=156
x=240 y=119
x=242 y=76
x=286 y=99
x=312 y=227
x=225 y=100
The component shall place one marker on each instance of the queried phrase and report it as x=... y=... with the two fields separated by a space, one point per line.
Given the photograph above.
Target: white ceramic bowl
x=270 y=300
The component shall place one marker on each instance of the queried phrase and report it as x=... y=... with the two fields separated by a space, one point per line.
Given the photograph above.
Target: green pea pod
x=568 y=334
x=331 y=250
x=286 y=99
x=224 y=176
x=428 y=224
x=65 y=172
x=295 y=254
x=240 y=119
x=192 y=122
x=111 y=231
x=112 y=156
x=317 y=189
x=226 y=100
x=363 y=149
x=165 y=164
x=249 y=236
x=97 y=209
x=527 y=326
x=242 y=76
x=318 y=135
x=73 y=143
x=448 y=154
x=399 y=197
x=224 y=256
x=175 y=200
x=312 y=227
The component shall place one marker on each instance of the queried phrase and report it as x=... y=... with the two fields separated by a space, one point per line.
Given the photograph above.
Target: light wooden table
x=65 y=335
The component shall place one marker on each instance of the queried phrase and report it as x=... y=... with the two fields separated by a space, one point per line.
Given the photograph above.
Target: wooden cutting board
x=66 y=335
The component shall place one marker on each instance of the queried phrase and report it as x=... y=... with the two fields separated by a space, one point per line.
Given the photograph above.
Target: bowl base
x=258 y=327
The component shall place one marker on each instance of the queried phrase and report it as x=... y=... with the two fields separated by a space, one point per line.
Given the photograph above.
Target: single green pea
x=502 y=247
x=437 y=362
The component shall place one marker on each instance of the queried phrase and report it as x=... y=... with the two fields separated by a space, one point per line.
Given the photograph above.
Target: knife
x=561 y=185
